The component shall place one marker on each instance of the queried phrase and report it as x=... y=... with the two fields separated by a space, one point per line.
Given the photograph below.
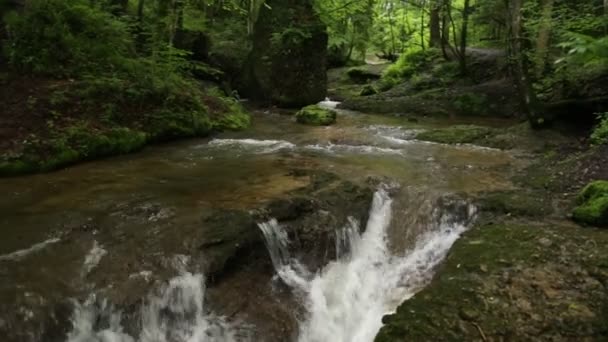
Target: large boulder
x=287 y=65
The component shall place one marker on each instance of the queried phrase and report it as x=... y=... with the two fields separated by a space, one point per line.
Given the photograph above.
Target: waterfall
x=346 y=300
x=175 y=314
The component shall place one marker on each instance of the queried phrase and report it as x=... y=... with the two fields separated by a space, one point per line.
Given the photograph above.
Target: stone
x=468 y=314
x=288 y=63
x=316 y=116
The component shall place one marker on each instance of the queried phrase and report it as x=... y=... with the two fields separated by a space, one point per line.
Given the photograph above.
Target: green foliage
x=471 y=104
x=584 y=50
x=408 y=64
x=593 y=204
x=368 y=90
x=66 y=38
x=349 y=25
x=599 y=136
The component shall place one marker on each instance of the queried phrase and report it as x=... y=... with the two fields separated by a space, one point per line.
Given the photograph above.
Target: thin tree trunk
x=463 y=37
x=529 y=101
x=390 y=22
x=435 y=26
x=422 y=25
x=140 y=11
x=544 y=35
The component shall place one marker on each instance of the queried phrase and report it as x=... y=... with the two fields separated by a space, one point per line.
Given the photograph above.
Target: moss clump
x=460 y=134
x=517 y=203
x=592 y=203
x=368 y=90
x=316 y=116
x=74 y=144
x=471 y=104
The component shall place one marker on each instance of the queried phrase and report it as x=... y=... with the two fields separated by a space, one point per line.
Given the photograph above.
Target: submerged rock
x=316 y=116
x=458 y=134
x=592 y=203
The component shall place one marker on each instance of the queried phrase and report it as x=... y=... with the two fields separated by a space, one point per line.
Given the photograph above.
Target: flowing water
x=112 y=247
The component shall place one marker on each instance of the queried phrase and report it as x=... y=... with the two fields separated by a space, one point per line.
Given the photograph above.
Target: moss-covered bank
x=513 y=280
x=525 y=271
x=61 y=124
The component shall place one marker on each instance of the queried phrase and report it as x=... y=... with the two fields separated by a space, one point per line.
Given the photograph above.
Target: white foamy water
x=93 y=257
x=347 y=299
x=363 y=149
x=176 y=313
x=259 y=146
x=329 y=104
x=22 y=253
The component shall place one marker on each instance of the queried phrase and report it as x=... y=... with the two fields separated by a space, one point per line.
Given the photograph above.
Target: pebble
x=545 y=242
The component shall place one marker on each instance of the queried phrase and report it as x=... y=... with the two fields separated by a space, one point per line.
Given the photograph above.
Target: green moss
x=17 y=167
x=368 y=90
x=168 y=125
x=316 y=116
x=233 y=117
x=460 y=134
x=471 y=104
x=592 y=203
x=517 y=203
x=506 y=279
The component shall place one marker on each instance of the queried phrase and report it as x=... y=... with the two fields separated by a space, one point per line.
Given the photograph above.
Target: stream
x=122 y=249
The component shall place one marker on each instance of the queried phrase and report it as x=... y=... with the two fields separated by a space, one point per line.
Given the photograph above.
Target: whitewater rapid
x=346 y=300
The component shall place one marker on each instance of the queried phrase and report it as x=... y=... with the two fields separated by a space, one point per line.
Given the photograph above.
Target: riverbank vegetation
x=83 y=80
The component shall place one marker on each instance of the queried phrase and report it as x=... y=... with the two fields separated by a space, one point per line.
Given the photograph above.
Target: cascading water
x=347 y=299
x=175 y=314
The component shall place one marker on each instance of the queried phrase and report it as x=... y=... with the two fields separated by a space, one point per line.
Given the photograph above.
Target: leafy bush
x=64 y=38
x=407 y=65
x=599 y=136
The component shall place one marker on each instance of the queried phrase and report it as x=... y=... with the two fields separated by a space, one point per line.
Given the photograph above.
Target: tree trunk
x=519 y=65
x=463 y=37
x=422 y=25
x=544 y=35
x=140 y=10
x=435 y=26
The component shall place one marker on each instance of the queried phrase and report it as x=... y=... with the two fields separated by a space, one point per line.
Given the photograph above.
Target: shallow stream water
x=75 y=234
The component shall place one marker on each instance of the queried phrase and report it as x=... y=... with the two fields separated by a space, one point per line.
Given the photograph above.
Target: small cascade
x=175 y=314
x=253 y=145
x=277 y=243
x=328 y=103
x=346 y=300
x=93 y=258
x=287 y=268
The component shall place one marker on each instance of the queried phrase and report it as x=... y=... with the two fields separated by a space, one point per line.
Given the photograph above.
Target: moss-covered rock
x=368 y=90
x=316 y=116
x=518 y=202
x=362 y=75
x=288 y=62
x=592 y=203
x=459 y=134
x=512 y=280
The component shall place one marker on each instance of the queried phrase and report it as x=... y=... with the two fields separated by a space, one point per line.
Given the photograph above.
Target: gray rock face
x=288 y=62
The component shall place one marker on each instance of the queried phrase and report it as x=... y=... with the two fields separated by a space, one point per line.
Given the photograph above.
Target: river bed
x=103 y=251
